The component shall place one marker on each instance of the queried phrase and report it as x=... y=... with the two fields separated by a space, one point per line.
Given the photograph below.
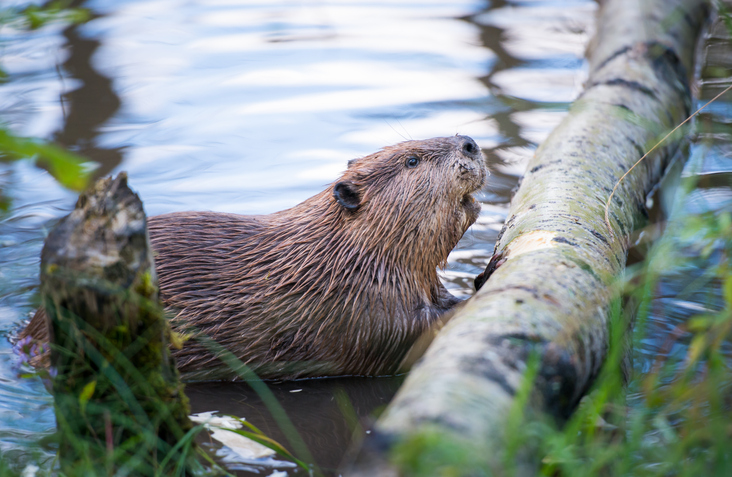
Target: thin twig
x=607 y=204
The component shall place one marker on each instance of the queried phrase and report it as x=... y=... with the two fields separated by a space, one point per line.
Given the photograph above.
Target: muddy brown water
x=251 y=107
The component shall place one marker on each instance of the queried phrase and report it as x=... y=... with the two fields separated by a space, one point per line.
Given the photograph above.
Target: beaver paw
x=496 y=261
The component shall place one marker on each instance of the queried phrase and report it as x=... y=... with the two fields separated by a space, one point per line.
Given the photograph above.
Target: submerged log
x=119 y=403
x=547 y=291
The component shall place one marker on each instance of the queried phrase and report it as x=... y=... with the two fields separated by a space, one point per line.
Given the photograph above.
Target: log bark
x=547 y=291
x=118 y=401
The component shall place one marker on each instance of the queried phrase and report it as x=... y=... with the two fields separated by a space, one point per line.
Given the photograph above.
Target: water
x=686 y=288
x=251 y=107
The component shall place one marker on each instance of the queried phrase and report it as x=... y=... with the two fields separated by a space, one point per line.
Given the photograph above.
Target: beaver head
x=413 y=196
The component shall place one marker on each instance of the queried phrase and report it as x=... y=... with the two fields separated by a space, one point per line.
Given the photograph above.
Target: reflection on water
x=685 y=292
x=327 y=412
x=250 y=107
x=89 y=106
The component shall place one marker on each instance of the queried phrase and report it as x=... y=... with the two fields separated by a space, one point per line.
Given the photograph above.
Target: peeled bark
x=118 y=400
x=547 y=291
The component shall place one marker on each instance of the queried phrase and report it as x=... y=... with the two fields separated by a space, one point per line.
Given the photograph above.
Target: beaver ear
x=346 y=194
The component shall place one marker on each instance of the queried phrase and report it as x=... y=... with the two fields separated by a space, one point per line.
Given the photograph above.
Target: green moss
x=117 y=382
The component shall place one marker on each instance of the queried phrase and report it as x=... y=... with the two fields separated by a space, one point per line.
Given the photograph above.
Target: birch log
x=551 y=294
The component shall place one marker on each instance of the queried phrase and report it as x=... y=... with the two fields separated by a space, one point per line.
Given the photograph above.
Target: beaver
x=340 y=284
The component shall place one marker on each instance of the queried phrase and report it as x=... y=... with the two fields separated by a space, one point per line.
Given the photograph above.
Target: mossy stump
x=119 y=402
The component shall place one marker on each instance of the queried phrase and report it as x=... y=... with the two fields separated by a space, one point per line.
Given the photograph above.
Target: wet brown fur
x=323 y=288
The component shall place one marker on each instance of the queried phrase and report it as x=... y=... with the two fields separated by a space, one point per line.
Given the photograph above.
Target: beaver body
x=341 y=284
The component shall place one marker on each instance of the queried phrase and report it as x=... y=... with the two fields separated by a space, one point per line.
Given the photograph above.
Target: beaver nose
x=468 y=147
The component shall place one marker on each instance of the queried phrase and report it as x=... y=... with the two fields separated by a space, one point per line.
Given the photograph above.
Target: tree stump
x=118 y=400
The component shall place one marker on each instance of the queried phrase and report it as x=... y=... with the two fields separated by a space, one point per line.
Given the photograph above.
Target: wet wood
x=547 y=291
x=119 y=403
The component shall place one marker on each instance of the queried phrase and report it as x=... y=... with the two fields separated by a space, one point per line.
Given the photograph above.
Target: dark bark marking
x=599 y=236
x=558 y=376
x=637 y=146
x=630 y=85
x=623 y=230
x=534 y=293
x=666 y=63
x=619 y=52
x=445 y=421
x=484 y=367
x=558 y=379
x=585 y=267
x=514 y=338
x=541 y=166
x=564 y=241
x=643 y=210
x=625 y=108
x=515 y=348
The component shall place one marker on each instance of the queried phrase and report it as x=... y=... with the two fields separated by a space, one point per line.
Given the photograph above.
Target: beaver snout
x=469 y=148
x=470 y=162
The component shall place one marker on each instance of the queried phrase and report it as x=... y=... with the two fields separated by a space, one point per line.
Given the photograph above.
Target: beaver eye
x=412 y=162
